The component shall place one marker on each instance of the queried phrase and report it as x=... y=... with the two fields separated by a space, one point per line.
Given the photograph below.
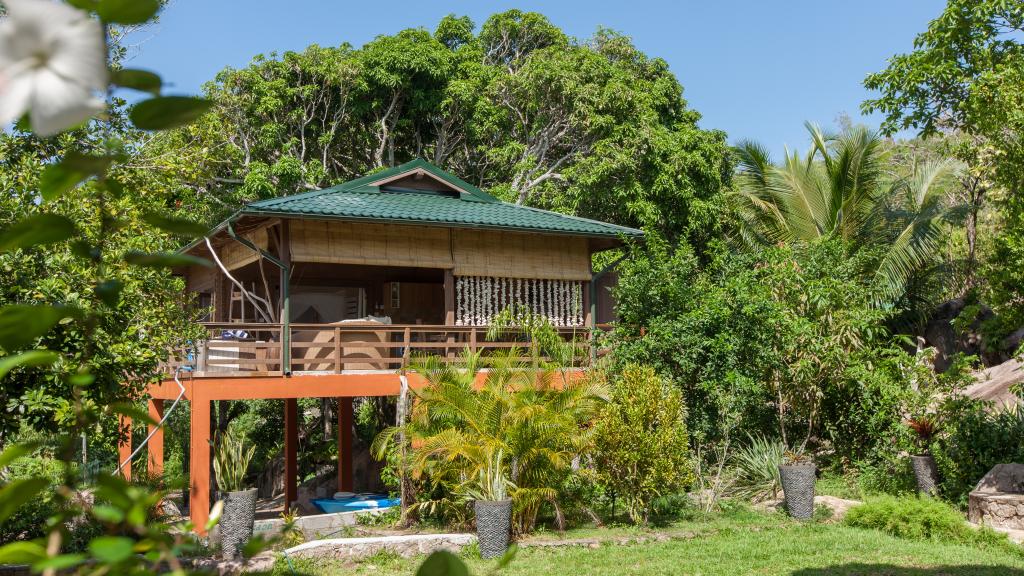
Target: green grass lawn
x=727 y=545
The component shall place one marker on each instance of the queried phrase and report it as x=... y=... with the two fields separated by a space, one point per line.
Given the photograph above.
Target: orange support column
x=199 y=463
x=291 y=445
x=124 y=446
x=155 y=463
x=345 y=482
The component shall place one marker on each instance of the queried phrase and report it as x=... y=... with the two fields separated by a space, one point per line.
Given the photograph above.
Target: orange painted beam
x=345 y=416
x=291 y=448
x=155 y=446
x=199 y=464
x=303 y=386
x=168 y=390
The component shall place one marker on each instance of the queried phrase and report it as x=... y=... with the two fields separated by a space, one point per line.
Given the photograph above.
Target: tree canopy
x=594 y=128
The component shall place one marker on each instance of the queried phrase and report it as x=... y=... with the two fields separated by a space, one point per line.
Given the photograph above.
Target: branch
x=268 y=318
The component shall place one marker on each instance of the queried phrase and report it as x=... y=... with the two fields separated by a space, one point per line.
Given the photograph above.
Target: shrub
x=641 y=449
x=521 y=428
x=976 y=439
x=755 y=469
x=922 y=518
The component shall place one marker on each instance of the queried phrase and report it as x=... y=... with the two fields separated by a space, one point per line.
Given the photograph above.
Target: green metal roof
x=370 y=199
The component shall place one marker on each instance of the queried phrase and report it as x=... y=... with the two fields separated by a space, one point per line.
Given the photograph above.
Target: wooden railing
x=255 y=349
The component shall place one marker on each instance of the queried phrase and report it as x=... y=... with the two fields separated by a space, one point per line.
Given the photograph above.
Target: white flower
x=52 y=63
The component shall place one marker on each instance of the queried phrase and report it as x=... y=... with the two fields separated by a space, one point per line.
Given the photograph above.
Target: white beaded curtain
x=479 y=298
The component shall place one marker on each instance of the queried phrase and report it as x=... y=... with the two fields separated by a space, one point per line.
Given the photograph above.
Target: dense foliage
x=130 y=335
x=975 y=438
x=766 y=340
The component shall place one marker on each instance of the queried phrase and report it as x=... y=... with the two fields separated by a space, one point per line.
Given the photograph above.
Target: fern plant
x=231 y=461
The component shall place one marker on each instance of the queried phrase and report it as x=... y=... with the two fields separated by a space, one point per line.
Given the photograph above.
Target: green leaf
x=16 y=451
x=61 y=562
x=58 y=179
x=167 y=112
x=215 y=513
x=507 y=557
x=17 y=492
x=127 y=11
x=132 y=411
x=109 y=514
x=36 y=230
x=30 y=358
x=22 y=553
x=112 y=549
x=75 y=168
x=109 y=292
x=175 y=225
x=442 y=563
x=141 y=80
x=254 y=546
x=22 y=324
x=164 y=260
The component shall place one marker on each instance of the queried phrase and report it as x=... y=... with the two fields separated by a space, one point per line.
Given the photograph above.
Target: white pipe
x=159 y=425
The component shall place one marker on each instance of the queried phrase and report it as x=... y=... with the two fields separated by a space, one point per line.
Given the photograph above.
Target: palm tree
x=841 y=188
x=531 y=423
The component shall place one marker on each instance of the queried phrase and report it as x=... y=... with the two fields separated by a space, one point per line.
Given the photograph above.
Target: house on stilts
x=326 y=294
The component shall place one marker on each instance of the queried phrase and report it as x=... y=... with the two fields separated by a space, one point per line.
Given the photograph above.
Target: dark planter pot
x=236 y=522
x=493 y=524
x=926 y=472
x=798 y=487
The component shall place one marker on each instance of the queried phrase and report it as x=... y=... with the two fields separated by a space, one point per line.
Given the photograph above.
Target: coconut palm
x=841 y=188
x=522 y=428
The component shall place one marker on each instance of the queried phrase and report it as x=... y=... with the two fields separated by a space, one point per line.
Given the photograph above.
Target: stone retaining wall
x=997 y=510
x=405 y=546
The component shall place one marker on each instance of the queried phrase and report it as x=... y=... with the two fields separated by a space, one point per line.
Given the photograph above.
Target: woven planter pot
x=493 y=524
x=798 y=487
x=236 y=521
x=926 y=472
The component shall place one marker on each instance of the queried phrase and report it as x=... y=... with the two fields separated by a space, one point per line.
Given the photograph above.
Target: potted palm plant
x=926 y=472
x=492 y=505
x=797 y=474
x=231 y=464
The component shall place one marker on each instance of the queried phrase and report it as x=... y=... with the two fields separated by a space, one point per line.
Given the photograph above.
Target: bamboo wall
x=235 y=255
x=334 y=242
x=518 y=255
x=468 y=252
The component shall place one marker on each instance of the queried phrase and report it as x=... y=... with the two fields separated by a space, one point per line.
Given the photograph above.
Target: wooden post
x=345 y=417
x=406 y=350
x=124 y=446
x=588 y=320
x=286 y=314
x=449 y=297
x=291 y=442
x=338 y=367
x=449 y=310
x=155 y=463
x=199 y=461
x=588 y=305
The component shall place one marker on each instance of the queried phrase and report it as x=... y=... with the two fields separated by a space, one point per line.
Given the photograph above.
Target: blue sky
x=755 y=69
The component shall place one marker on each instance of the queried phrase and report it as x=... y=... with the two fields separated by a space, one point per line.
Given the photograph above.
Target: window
x=204 y=301
x=396 y=295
